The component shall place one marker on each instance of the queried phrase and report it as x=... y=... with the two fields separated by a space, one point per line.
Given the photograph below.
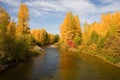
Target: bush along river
x=62 y=65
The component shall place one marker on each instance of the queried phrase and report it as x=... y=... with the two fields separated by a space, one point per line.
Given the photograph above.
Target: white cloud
x=40 y=8
x=86 y=9
x=14 y=3
x=47 y=5
x=82 y=7
x=114 y=6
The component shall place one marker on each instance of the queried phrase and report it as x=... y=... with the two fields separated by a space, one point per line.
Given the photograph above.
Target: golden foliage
x=4 y=18
x=23 y=18
x=11 y=28
x=110 y=23
x=43 y=38
x=40 y=35
x=70 y=28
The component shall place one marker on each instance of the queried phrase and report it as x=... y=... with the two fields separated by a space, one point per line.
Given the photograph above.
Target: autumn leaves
x=43 y=38
x=100 y=36
x=70 y=32
x=17 y=41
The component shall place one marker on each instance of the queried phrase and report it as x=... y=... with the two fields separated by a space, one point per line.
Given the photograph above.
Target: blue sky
x=49 y=14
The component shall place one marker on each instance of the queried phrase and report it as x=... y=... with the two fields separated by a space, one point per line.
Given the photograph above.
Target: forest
x=101 y=39
x=18 y=41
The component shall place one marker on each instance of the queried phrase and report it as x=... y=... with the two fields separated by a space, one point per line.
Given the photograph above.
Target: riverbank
x=6 y=66
x=37 y=51
x=62 y=65
x=100 y=56
x=96 y=53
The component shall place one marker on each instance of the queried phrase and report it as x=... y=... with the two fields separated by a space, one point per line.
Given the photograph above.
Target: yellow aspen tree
x=70 y=30
x=11 y=29
x=106 y=22
x=77 y=23
x=116 y=21
x=66 y=25
x=78 y=33
x=23 y=19
x=85 y=35
x=4 y=19
x=40 y=35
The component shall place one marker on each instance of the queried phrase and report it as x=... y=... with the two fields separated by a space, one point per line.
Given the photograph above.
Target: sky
x=49 y=14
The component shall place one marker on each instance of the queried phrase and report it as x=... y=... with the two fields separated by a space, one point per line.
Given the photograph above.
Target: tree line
x=98 y=38
x=17 y=41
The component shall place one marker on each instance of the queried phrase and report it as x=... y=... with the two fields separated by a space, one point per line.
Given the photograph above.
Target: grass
x=106 y=57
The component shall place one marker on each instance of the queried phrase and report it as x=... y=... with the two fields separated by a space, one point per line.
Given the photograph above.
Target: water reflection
x=63 y=65
x=69 y=66
x=76 y=66
x=19 y=72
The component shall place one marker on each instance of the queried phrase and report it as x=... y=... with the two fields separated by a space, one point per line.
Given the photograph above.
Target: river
x=59 y=65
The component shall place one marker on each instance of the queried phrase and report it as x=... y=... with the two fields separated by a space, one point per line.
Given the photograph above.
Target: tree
x=12 y=47
x=51 y=38
x=4 y=21
x=9 y=39
x=85 y=34
x=70 y=30
x=11 y=29
x=4 y=18
x=77 y=40
x=23 y=19
x=41 y=36
x=93 y=38
x=56 y=39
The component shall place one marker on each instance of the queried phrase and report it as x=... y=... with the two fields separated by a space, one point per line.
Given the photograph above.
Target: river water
x=59 y=65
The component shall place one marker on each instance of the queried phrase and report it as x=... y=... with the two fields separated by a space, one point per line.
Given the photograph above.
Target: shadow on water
x=62 y=65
